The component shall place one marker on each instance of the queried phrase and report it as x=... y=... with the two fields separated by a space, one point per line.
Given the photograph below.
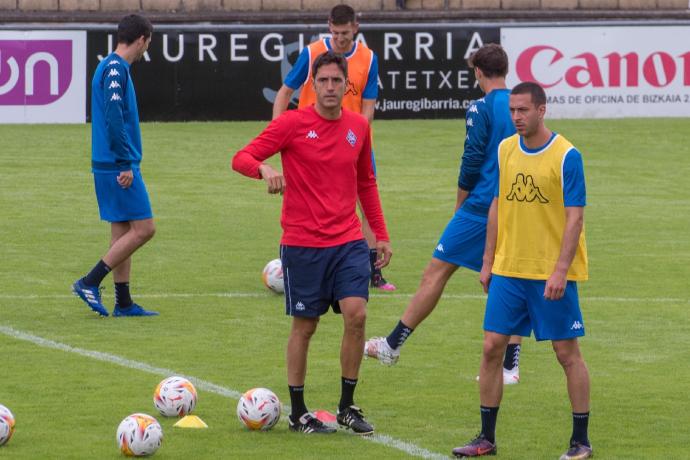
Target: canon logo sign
x=604 y=71
x=658 y=69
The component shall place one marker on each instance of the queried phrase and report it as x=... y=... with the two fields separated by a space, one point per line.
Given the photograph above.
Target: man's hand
x=555 y=285
x=274 y=179
x=485 y=276
x=125 y=178
x=383 y=254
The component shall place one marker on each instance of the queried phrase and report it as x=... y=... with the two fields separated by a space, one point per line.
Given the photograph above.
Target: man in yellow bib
x=535 y=253
x=360 y=95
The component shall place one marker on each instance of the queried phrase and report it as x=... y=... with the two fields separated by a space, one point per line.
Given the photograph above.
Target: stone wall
x=258 y=6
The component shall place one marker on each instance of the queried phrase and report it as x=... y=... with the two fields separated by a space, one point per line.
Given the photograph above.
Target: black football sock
x=399 y=335
x=96 y=275
x=122 y=297
x=372 y=262
x=347 y=393
x=489 y=415
x=512 y=357
x=297 y=402
x=580 y=423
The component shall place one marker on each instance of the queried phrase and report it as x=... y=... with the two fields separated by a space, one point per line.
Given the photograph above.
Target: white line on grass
x=382 y=439
x=400 y=295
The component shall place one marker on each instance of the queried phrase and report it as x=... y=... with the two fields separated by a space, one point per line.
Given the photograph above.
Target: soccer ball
x=175 y=396
x=139 y=435
x=6 y=425
x=273 y=276
x=259 y=409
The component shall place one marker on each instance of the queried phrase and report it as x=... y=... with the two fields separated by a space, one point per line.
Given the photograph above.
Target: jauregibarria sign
x=42 y=76
x=604 y=72
x=233 y=72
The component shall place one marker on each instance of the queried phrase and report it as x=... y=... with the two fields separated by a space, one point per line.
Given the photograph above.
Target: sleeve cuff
x=124 y=166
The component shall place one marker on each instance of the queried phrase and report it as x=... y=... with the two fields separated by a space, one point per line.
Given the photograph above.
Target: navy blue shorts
x=317 y=278
x=463 y=241
x=517 y=307
x=117 y=204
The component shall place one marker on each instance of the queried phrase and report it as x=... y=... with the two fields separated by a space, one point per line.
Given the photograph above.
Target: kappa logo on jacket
x=312 y=135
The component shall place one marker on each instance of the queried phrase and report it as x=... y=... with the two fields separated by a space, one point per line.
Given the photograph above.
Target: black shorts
x=317 y=278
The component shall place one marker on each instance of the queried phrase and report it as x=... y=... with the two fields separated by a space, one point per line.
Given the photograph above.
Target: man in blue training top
x=462 y=242
x=116 y=154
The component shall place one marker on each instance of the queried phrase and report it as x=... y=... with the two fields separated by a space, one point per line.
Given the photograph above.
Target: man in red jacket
x=326 y=158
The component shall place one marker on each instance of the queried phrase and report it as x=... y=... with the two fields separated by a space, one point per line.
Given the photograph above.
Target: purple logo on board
x=34 y=72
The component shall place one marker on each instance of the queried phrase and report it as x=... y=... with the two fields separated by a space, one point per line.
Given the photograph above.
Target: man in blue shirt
x=462 y=242
x=116 y=154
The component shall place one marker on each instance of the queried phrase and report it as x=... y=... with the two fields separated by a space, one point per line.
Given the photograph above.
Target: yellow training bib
x=531 y=212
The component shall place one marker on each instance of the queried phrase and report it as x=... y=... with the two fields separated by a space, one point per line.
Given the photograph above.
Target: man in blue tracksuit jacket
x=116 y=154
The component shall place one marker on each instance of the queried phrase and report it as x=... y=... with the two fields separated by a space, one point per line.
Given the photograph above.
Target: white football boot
x=377 y=347
x=511 y=377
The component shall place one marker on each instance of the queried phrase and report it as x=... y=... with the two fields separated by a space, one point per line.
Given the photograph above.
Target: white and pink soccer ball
x=259 y=409
x=139 y=435
x=6 y=425
x=272 y=276
x=175 y=397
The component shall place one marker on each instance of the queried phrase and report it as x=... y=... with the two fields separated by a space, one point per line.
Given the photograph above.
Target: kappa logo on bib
x=524 y=189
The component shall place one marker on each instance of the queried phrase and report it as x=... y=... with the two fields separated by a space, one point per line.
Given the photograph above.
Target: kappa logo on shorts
x=351 y=138
x=439 y=248
x=312 y=135
x=523 y=189
x=300 y=306
x=576 y=326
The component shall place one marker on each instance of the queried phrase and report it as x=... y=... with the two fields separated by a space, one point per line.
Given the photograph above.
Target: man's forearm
x=491 y=234
x=574 y=221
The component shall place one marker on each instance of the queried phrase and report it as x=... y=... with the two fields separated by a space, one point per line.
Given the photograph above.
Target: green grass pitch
x=217 y=229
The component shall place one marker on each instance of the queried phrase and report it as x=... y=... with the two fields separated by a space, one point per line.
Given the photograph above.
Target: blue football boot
x=133 y=310
x=91 y=295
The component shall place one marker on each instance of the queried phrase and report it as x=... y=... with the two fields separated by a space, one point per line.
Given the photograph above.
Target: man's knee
x=356 y=320
x=303 y=328
x=568 y=356
x=145 y=231
x=495 y=346
x=437 y=273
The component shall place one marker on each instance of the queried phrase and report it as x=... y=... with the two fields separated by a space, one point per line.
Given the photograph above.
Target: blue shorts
x=463 y=241
x=317 y=278
x=517 y=307
x=117 y=204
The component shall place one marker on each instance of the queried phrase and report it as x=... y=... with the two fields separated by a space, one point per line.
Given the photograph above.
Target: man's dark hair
x=342 y=14
x=491 y=59
x=536 y=92
x=132 y=27
x=329 y=57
